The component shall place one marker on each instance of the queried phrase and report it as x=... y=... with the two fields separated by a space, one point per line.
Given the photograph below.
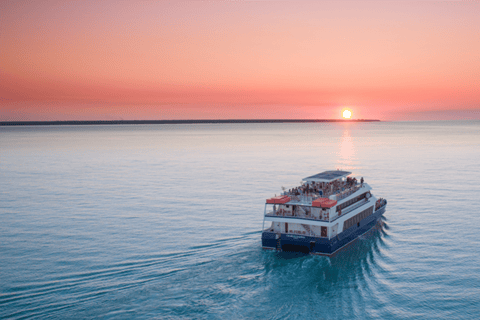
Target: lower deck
x=319 y=245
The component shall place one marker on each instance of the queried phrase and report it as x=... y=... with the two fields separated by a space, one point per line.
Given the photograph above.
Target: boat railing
x=287 y=214
x=343 y=194
x=310 y=196
x=303 y=198
x=380 y=203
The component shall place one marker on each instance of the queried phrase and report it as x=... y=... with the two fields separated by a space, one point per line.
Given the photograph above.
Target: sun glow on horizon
x=181 y=60
x=347 y=114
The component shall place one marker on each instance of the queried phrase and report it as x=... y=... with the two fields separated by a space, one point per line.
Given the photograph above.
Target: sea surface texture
x=164 y=221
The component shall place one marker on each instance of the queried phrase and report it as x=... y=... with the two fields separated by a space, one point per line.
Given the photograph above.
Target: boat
x=322 y=215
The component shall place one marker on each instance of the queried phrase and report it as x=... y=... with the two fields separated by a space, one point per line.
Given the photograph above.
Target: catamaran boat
x=328 y=211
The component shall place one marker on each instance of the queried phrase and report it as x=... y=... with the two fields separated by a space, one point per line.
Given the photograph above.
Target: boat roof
x=327 y=176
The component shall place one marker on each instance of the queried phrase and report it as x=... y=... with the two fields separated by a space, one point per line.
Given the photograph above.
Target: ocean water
x=164 y=221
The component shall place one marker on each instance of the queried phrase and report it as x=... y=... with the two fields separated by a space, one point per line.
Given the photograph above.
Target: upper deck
x=305 y=207
x=334 y=185
x=346 y=194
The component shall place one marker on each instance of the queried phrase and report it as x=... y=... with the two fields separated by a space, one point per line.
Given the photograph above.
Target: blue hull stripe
x=322 y=245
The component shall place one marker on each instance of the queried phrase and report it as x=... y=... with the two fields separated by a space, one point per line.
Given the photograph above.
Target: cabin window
x=351 y=201
x=324 y=232
x=357 y=218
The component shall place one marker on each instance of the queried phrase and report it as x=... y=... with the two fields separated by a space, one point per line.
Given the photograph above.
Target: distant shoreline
x=110 y=122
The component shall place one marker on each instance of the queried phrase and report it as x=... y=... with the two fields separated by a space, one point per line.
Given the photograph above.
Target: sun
x=347 y=114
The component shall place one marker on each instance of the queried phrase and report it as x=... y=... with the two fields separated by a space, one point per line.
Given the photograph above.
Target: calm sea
x=164 y=221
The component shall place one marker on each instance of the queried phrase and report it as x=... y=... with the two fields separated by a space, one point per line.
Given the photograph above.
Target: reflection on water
x=346 y=156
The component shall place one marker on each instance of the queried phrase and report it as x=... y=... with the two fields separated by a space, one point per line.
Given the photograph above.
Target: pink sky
x=388 y=60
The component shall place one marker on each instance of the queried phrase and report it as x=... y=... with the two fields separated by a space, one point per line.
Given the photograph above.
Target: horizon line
x=189 y=121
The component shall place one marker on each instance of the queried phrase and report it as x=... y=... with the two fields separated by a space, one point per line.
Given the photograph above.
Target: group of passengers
x=327 y=188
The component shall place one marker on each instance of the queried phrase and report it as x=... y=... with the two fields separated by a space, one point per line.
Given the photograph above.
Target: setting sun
x=347 y=114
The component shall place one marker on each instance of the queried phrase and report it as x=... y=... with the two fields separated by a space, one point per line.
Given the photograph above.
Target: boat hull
x=317 y=245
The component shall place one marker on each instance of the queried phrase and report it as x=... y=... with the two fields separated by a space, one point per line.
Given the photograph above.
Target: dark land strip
x=106 y=122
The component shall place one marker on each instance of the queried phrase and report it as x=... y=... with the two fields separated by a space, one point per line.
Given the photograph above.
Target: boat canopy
x=327 y=176
x=278 y=200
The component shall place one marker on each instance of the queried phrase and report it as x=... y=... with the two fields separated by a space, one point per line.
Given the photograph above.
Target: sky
x=130 y=60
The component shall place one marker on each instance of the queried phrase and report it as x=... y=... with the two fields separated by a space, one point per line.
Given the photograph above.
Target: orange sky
x=84 y=60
